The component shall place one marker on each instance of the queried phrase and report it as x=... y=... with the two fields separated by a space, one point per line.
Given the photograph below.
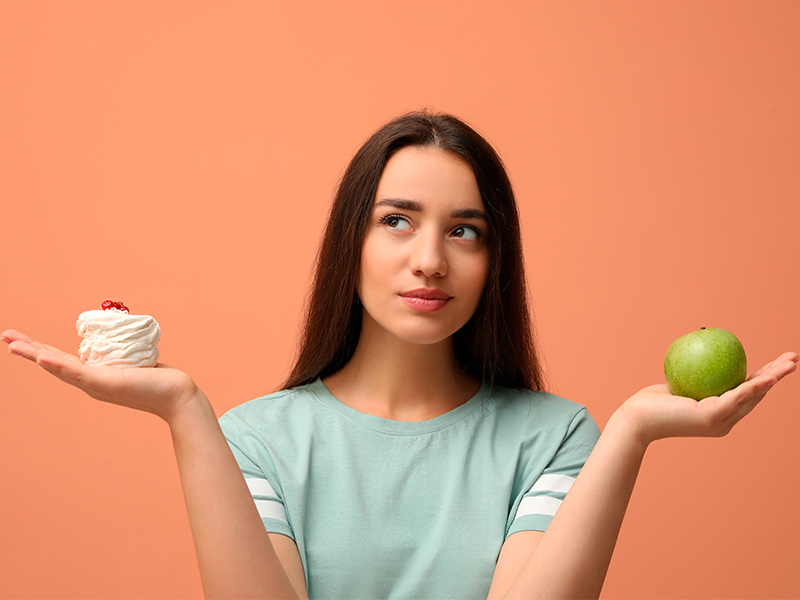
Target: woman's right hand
x=237 y=558
x=160 y=390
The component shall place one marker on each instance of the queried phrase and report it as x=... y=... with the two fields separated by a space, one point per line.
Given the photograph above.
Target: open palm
x=159 y=390
x=658 y=414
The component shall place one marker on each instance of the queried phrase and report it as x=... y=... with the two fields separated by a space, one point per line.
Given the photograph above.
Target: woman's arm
x=234 y=551
x=571 y=558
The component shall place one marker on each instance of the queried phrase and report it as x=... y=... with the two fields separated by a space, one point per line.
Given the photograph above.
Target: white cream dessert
x=114 y=337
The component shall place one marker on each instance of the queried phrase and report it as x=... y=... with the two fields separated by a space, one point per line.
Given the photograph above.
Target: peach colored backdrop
x=181 y=156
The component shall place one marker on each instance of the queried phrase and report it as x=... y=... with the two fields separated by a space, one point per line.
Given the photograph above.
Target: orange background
x=181 y=156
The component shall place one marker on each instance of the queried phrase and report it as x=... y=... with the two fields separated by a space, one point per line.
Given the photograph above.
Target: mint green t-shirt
x=397 y=509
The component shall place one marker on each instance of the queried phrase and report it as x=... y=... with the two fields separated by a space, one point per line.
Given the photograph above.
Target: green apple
x=706 y=362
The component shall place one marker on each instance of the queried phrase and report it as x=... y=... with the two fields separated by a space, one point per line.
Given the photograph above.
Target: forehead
x=429 y=175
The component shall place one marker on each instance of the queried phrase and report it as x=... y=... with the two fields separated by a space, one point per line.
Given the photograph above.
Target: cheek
x=373 y=266
x=481 y=273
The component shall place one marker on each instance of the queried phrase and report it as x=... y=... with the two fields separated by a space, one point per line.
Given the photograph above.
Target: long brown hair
x=497 y=343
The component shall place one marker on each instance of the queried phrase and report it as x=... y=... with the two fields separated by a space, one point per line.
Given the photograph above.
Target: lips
x=426 y=294
x=425 y=300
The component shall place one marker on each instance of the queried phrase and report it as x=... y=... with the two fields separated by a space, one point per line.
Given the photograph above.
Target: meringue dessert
x=114 y=337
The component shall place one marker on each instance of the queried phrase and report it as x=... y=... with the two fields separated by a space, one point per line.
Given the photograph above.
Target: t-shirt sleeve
x=262 y=487
x=542 y=499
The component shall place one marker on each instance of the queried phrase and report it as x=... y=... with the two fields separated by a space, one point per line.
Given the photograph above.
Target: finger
x=748 y=395
x=30 y=349
x=12 y=335
x=750 y=390
x=49 y=348
x=23 y=349
x=744 y=409
x=780 y=367
x=69 y=369
x=53 y=364
x=790 y=356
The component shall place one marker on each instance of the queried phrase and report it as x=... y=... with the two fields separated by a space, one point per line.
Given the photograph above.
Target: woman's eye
x=395 y=222
x=467 y=233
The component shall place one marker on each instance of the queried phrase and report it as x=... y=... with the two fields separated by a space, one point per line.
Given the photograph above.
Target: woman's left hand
x=655 y=413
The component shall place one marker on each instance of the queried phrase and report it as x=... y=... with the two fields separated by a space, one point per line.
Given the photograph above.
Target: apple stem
x=702 y=328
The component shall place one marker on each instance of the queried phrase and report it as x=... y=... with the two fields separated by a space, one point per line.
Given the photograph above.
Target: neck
x=403 y=381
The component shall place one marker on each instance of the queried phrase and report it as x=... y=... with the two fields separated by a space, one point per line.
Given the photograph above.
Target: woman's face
x=425 y=255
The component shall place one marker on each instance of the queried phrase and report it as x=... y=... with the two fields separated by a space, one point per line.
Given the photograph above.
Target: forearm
x=572 y=557
x=234 y=553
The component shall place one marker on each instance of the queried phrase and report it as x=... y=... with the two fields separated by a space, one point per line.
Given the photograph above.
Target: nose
x=429 y=255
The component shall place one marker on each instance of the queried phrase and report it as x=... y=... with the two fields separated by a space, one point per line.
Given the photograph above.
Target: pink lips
x=425 y=300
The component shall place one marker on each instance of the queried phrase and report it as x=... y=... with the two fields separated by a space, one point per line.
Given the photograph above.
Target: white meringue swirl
x=116 y=338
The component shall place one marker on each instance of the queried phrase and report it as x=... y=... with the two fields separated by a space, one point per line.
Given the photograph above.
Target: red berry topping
x=110 y=304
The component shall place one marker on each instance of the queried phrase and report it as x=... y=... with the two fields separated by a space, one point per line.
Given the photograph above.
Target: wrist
x=622 y=424
x=193 y=405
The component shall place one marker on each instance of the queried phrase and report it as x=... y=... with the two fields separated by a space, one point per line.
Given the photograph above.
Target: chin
x=422 y=330
x=424 y=336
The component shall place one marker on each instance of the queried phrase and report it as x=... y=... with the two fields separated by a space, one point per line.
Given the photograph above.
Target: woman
x=401 y=449
x=412 y=452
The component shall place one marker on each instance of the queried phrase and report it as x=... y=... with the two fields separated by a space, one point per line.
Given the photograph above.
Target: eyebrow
x=414 y=206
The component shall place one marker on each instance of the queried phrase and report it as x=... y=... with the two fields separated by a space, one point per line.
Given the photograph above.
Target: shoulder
x=528 y=405
x=272 y=411
x=273 y=401
x=534 y=418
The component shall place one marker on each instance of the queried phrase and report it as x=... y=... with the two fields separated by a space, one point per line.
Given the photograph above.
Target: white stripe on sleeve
x=271 y=509
x=260 y=487
x=553 y=483
x=538 y=505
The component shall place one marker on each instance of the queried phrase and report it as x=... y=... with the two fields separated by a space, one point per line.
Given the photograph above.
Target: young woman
x=412 y=451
